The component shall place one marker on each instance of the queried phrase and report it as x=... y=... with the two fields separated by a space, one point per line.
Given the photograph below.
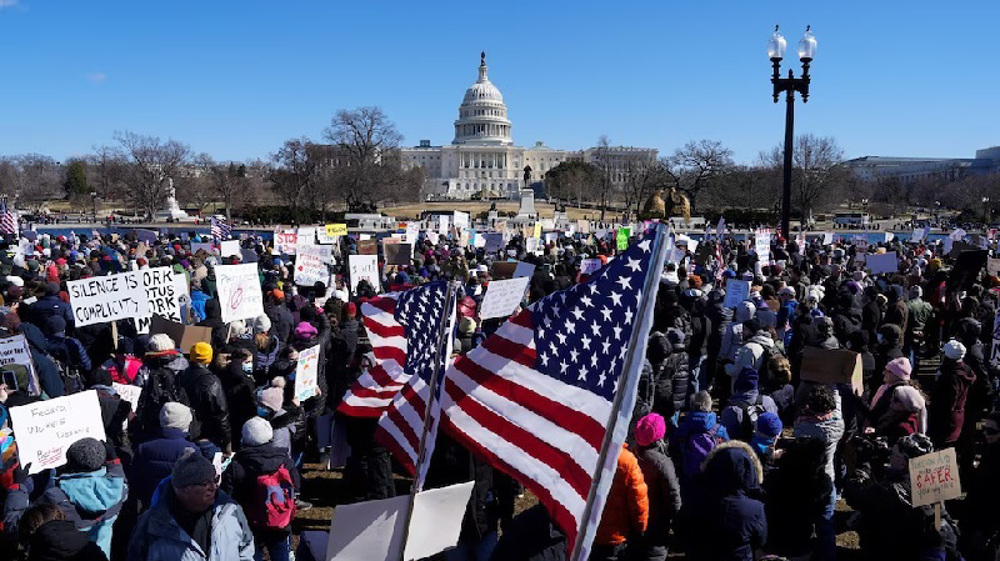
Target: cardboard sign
x=367 y=247
x=184 y=336
x=397 y=253
x=621 y=238
x=306 y=372
x=493 y=242
x=363 y=267
x=44 y=430
x=312 y=264
x=993 y=266
x=286 y=242
x=884 y=263
x=335 y=230
x=838 y=366
x=736 y=292
x=164 y=299
x=239 y=291
x=933 y=478
x=589 y=266
x=15 y=356
x=107 y=298
x=228 y=248
x=503 y=297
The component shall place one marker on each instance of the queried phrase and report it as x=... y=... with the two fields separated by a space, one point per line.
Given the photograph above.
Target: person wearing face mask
x=238 y=386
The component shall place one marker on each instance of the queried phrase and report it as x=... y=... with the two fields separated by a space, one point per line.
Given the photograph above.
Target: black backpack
x=161 y=387
x=751 y=412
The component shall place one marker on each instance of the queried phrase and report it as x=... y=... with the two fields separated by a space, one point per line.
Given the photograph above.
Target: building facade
x=907 y=170
x=482 y=160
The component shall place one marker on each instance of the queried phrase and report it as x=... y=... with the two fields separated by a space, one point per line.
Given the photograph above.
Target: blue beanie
x=769 y=424
x=746 y=380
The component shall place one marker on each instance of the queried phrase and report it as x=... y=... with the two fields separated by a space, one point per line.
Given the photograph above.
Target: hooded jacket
x=750 y=354
x=208 y=403
x=154 y=460
x=626 y=511
x=59 y=540
x=91 y=500
x=664 y=491
x=946 y=410
x=733 y=337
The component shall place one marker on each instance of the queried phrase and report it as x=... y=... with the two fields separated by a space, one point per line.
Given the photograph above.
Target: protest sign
x=533 y=245
x=762 y=246
x=286 y=241
x=306 y=373
x=206 y=247
x=160 y=284
x=367 y=247
x=588 y=266
x=228 y=248
x=306 y=235
x=838 y=366
x=239 y=291
x=146 y=236
x=107 y=298
x=184 y=336
x=15 y=357
x=45 y=429
x=934 y=478
x=583 y=226
x=443 y=224
x=993 y=266
x=335 y=230
x=503 y=297
x=621 y=238
x=436 y=520
x=461 y=219
x=537 y=231
x=736 y=292
x=130 y=394
x=500 y=270
x=882 y=263
x=493 y=242
x=323 y=238
x=312 y=264
x=828 y=238
x=397 y=253
x=523 y=270
x=363 y=267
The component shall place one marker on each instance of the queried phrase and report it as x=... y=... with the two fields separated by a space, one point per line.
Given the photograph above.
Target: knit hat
x=201 y=352
x=160 y=342
x=350 y=310
x=675 y=336
x=467 y=326
x=954 y=350
x=86 y=455
x=257 y=432
x=175 y=415
x=192 y=469
x=305 y=330
x=261 y=324
x=769 y=424
x=649 y=429
x=272 y=398
x=746 y=380
x=899 y=368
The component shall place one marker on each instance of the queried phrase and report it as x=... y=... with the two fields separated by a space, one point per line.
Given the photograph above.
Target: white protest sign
x=286 y=241
x=437 y=520
x=367 y=531
x=306 y=372
x=762 y=245
x=239 y=291
x=312 y=264
x=363 y=267
x=107 y=298
x=129 y=393
x=958 y=235
x=229 y=248
x=828 y=238
x=523 y=270
x=884 y=263
x=588 y=266
x=503 y=297
x=161 y=292
x=461 y=219
x=307 y=235
x=45 y=429
x=15 y=351
x=736 y=292
x=934 y=478
x=323 y=237
x=443 y=224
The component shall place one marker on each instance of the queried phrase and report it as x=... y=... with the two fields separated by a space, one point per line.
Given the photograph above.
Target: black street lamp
x=93 y=200
x=987 y=212
x=790 y=85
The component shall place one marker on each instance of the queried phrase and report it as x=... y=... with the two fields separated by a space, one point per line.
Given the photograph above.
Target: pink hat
x=899 y=368
x=305 y=330
x=649 y=429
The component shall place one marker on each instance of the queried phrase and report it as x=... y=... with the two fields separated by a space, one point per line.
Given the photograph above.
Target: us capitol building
x=482 y=160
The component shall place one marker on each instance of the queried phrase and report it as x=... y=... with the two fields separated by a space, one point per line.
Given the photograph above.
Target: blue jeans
x=698 y=374
x=276 y=549
x=826 y=536
x=473 y=551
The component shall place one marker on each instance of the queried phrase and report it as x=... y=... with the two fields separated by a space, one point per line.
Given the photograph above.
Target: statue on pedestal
x=657 y=206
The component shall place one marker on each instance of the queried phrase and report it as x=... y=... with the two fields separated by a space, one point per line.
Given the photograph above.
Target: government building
x=482 y=161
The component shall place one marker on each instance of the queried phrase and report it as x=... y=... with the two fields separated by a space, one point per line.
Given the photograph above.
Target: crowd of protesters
x=732 y=454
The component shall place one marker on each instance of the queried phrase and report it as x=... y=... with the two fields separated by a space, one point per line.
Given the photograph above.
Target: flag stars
x=562 y=338
x=595 y=328
x=563 y=367
x=606 y=346
x=644 y=245
x=578 y=314
x=570 y=326
x=601 y=379
x=583 y=373
x=618 y=331
x=625 y=282
x=586 y=300
x=606 y=313
x=616 y=298
x=544 y=357
x=574 y=355
x=586 y=342
x=628 y=316
x=634 y=264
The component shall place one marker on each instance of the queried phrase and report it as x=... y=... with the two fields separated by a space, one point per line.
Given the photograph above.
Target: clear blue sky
x=236 y=79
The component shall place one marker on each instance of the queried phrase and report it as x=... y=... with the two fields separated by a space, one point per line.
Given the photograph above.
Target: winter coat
x=829 y=429
x=265 y=359
x=158 y=537
x=48 y=373
x=208 y=403
x=626 y=511
x=240 y=391
x=154 y=460
x=59 y=540
x=732 y=415
x=946 y=410
x=663 y=490
x=798 y=491
x=672 y=383
x=315 y=405
x=726 y=521
x=240 y=479
x=91 y=500
x=69 y=352
x=213 y=319
x=281 y=320
x=751 y=354
x=198 y=300
x=160 y=381
x=531 y=536
x=289 y=428
x=733 y=337
x=50 y=306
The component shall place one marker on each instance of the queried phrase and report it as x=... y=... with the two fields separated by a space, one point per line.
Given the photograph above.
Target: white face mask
x=878 y=337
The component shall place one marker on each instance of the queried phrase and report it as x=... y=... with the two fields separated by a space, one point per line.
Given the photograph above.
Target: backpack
x=696 y=449
x=751 y=412
x=764 y=372
x=72 y=379
x=272 y=501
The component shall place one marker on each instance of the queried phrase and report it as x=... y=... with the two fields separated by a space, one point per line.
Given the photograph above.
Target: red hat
x=350 y=310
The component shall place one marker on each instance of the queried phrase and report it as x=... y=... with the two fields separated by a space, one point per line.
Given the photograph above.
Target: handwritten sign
x=162 y=294
x=45 y=429
x=461 y=219
x=239 y=291
x=312 y=264
x=933 y=478
x=229 y=248
x=107 y=298
x=15 y=356
x=736 y=292
x=589 y=266
x=503 y=297
x=762 y=246
x=306 y=372
x=286 y=241
x=130 y=394
x=397 y=253
x=335 y=230
x=363 y=267
x=621 y=238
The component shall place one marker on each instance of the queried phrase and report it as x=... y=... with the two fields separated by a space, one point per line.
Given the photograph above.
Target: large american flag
x=221 y=230
x=8 y=221
x=536 y=399
x=405 y=333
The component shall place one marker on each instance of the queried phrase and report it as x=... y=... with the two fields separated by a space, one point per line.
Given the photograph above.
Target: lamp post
x=864 y=213
x=986 y=212
x=93 y=202
x=790 y=85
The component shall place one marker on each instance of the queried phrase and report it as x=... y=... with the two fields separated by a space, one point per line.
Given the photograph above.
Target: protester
x=626 y=512
x=662 y=486
x=208 y=399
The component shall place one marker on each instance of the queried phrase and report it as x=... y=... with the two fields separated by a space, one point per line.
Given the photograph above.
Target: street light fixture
x=93 y=201
x=987 y=212
x=776 y=51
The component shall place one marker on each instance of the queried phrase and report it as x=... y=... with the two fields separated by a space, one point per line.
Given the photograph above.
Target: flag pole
x=624 y=400
x=444 y=333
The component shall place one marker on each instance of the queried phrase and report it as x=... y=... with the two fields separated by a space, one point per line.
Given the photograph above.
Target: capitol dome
x=482 y=117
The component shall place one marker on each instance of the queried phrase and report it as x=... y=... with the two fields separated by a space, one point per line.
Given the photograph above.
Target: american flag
x=8 y=221
x=538 y=398
x=221 y=230
x=405 y=333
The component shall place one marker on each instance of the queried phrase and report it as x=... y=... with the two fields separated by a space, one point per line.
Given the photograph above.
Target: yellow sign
x=538 y=230
x=334 y=230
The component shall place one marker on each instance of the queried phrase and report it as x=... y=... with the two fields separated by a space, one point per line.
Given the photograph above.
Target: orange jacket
x=627 y=508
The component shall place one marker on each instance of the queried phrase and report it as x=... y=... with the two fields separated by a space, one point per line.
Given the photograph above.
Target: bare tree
x=605 y=169
x=301 y=170
x=105 y=172
x=697 y=166
x=32 y=179
x=749 y=187
x=641 y=177
x=817 y=176
x=151 y=163
x=224 y=182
